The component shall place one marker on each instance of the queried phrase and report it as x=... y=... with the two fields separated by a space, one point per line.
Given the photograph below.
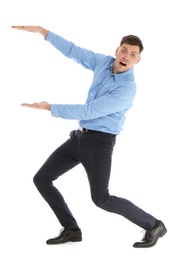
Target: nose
x=126 y=56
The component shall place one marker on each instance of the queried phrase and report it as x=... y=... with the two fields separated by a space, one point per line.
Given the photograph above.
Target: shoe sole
x=148 y=246
x=76 y=240
x=58 y=243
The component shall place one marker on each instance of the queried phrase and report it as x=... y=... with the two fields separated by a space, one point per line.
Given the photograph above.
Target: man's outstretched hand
x=42 y=105
x=32 y=28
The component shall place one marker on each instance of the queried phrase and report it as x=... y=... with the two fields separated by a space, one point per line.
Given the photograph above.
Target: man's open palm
x=42 y=105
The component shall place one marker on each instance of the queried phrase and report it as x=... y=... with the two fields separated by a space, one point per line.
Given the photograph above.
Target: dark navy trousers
x=94 y=151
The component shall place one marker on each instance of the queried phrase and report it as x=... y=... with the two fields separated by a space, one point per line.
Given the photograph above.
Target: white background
x=145 y=162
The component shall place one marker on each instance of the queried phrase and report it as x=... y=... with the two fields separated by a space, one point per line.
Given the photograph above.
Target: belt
x=84 y=130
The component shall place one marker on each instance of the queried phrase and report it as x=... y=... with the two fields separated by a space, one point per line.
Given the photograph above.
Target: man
x=100 y=119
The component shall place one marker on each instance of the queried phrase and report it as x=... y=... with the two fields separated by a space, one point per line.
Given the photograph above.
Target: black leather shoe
x=151 y=237
x=66 y=235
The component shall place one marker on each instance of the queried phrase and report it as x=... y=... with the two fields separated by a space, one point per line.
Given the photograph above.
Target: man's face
x=126 y=56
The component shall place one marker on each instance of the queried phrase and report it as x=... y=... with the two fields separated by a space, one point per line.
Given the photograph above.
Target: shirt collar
x=127 y=74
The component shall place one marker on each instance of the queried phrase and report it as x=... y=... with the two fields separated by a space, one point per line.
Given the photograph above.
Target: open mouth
x=123 y=63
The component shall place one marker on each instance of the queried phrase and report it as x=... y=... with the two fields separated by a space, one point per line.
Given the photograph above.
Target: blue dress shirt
x=109 y=97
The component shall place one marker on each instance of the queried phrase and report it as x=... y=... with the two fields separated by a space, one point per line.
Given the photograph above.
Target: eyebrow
x=127 y=50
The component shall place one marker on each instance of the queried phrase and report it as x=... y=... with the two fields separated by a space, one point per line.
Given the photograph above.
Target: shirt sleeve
x=84 y=57
x=118 y=100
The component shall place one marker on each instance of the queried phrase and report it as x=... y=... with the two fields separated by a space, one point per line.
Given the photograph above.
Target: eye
x=123 y=51
x=133 y=55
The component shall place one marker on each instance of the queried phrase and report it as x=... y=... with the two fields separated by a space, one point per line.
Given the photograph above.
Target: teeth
x=123 y=63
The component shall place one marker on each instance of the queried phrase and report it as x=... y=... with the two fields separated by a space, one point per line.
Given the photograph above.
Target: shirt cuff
x=54 y=109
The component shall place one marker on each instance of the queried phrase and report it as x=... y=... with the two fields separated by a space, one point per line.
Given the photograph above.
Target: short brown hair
x=132 y=40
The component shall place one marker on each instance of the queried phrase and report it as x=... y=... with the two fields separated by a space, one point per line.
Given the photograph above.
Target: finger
x=19 y=27
x=27 y=105
x=34 y=105
x=22 y=28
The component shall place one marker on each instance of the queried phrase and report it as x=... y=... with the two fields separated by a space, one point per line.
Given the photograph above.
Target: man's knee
x=100 y=201
x=36 y=180
x=39 y=180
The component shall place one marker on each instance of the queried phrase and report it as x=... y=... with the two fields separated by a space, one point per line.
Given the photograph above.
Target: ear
x=116 y=51
x=139 y=58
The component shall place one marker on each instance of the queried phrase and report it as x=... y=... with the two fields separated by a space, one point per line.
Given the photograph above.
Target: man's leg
x=95 y=154
x=61 y=160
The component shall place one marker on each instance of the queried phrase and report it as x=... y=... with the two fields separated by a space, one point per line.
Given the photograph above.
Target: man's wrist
x=48 y=107
x=42 y=31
